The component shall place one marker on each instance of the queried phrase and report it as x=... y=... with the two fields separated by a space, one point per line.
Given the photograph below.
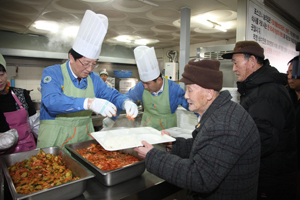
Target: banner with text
x=276 y=37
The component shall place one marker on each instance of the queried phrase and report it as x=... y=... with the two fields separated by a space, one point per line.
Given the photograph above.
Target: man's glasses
x=86 y=65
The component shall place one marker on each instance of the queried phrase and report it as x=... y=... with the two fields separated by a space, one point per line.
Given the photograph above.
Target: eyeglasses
x=86 y=65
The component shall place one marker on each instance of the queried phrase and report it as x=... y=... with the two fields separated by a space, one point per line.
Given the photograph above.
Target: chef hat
x=147 y=63
x=2 y=61
x=90 y=36
x=104 y=72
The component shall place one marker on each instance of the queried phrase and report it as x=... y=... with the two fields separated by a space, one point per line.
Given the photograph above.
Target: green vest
x=157 y=111
x=68 y=127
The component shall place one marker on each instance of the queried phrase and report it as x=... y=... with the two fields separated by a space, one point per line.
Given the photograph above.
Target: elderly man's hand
x=142 y=151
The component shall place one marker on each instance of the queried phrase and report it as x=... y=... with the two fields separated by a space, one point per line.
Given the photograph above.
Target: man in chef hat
x=71 y=91
x=160 y=97
x=104 y=76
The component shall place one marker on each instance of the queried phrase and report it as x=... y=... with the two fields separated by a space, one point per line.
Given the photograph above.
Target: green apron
x=157 y=111
x=69 y=127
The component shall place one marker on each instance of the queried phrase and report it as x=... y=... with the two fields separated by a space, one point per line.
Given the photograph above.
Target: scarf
x=5 y=91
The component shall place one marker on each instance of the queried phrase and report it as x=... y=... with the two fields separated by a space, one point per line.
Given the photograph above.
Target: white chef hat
x=90 y=35
x=104 y=72
x=147 y=63
x=2 y=61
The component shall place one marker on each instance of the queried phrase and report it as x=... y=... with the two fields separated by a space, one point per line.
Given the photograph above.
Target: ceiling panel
x=130 y=17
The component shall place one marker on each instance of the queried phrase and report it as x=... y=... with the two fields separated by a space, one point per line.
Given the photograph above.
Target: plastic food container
x=122 y=74
x=64 y=191
x=107 y=178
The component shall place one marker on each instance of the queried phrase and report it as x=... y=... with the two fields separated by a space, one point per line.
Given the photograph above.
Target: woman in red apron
x=19 y=112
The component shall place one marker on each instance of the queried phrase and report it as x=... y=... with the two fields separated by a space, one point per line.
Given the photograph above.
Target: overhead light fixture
x=124 y=38
x=141 y=42
x=46 y=26
x=206 y=21
x=216 y=25
x=148 y=2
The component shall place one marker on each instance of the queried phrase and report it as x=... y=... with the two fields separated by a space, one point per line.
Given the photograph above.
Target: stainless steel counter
x=144 y=187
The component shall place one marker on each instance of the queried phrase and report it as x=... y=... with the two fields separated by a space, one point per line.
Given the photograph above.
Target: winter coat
x=221 y=161
x=264 y=96
x=296 y=103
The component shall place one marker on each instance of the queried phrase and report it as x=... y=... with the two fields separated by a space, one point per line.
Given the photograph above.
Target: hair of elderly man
x=258 y=59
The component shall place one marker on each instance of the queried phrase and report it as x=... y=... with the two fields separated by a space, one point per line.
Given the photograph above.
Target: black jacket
x=264 y=96
x=296 y=103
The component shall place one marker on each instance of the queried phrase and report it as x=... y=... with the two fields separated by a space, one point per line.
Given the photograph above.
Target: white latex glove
x=34 y=124
x=131 y=109
x=107 y=123
x=8 y=139
x=100 y=106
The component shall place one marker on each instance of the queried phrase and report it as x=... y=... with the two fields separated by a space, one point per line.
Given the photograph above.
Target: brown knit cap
x=249 y=47
x=205 y=73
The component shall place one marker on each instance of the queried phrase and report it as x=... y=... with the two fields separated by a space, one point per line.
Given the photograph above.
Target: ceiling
x=132 y=18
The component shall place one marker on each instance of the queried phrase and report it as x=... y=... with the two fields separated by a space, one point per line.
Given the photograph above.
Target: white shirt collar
x=69 y=65
x=160 y=90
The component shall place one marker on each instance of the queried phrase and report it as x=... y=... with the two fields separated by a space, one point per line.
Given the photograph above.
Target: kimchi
x=40 y=172
x=106 y=160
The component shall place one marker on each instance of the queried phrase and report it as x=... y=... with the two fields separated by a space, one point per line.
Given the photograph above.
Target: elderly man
x=221 y=161
x=264 y=96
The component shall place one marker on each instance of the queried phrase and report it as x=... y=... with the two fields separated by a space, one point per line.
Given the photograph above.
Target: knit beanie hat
x=249 y=47
x=205 y=73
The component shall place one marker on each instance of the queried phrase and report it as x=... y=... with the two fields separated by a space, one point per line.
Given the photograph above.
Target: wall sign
x=276 y=36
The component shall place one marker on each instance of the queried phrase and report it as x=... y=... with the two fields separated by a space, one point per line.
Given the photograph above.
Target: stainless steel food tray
x=64 y=191
x=107 y=178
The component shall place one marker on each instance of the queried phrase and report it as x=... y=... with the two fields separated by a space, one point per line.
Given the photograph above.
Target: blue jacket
x=176 y=95
x=55 y=102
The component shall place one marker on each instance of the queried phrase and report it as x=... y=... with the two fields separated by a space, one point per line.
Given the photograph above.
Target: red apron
x=19 y=120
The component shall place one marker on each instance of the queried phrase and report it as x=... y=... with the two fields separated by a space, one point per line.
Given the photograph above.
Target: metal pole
x=184 y=41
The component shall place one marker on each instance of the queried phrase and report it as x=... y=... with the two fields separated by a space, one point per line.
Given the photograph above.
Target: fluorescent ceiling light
x=123 y=38
x=216 y=25
x=211 y=24
x=46 y=25
x=141 y=42
x=148 y=2
x=206 y=22
x=220 y=28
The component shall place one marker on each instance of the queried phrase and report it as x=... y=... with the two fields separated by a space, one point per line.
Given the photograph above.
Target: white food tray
x=180 y=132
x=113 y=140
